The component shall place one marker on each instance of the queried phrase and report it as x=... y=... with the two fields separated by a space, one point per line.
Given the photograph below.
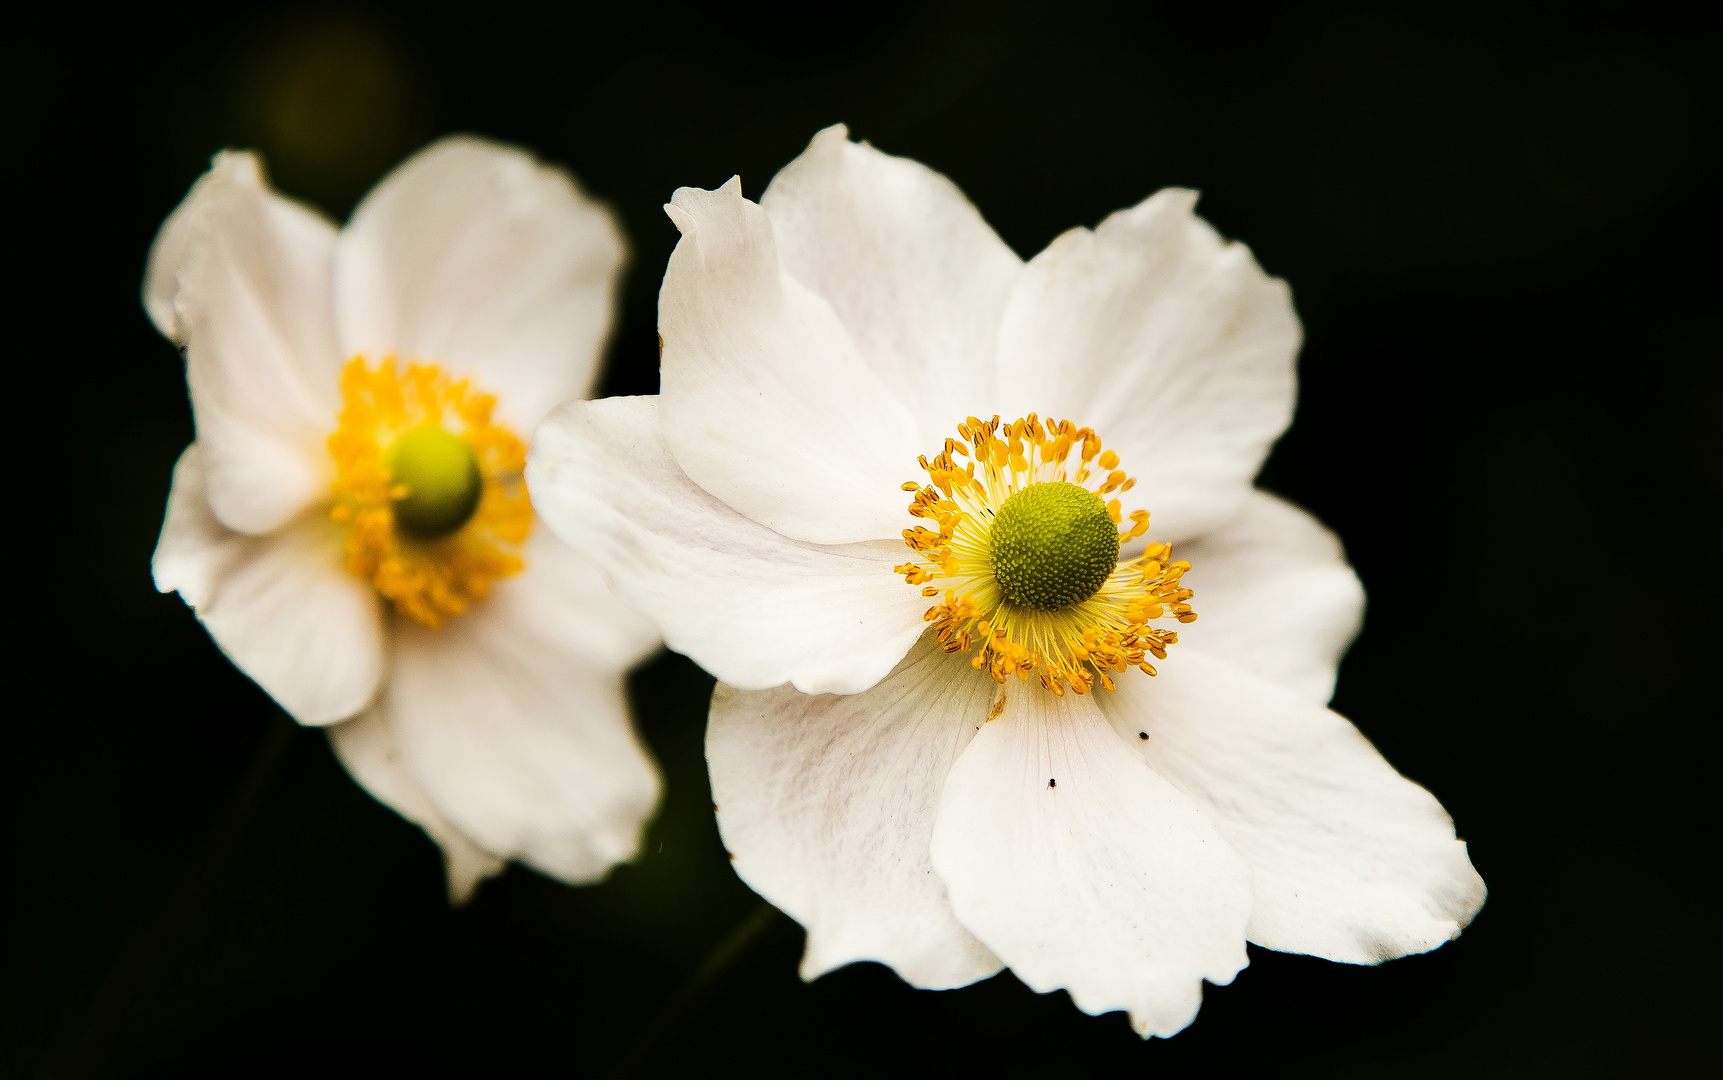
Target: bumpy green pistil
x=1053 y=545
x=442 y=479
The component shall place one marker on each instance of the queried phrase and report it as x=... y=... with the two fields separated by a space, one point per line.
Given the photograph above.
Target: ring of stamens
x=430 y=570
x=1072 y=646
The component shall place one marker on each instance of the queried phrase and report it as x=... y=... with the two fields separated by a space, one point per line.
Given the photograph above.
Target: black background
x=1500 y=225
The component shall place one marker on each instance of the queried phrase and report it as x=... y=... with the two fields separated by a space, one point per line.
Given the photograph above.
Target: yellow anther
x=428 y=580
x=1071 y=647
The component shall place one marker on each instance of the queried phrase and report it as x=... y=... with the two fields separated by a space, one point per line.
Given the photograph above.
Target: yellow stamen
x=429 y=580
x=1073 y=646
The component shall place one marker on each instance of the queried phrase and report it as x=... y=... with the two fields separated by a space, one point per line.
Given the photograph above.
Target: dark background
x=1500 y=225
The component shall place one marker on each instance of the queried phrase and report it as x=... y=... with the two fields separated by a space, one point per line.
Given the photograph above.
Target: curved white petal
x=767 y=403
x=1081 y=868
x=194 y=550
x=1352 y=861
x=512 y=719
x=587 y=616
x=826 y=805
x=1274 y=595
x=1171 y=343
x=748 y=604
x=367 y=749
x=916 y=276
x=241 y=279
x=477 y=257
x=282 y=607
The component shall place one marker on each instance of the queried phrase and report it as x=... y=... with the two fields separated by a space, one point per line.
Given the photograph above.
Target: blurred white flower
x=351 y=524
x=909 y=751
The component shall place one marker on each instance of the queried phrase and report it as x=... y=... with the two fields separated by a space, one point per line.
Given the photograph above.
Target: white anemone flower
x=927 y=744
x=352 y=525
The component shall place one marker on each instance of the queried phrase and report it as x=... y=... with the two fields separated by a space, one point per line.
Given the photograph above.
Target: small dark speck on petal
x=1052 y=783
x=732 y=855
x=1143 y=735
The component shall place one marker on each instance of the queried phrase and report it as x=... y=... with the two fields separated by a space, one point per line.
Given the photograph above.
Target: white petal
x=1352 y=861
x=748 y=604
x=586 y=616
x=194 y=550
x=512 y=720
x=916 y=276
x=826 y=804
x=475 y=256
x=366 y=747
x=1274 y=595
x=767 y=403
x=241 y=278
x=1082 y=869
x=282 y=607
x=1171 y=343
x=168 y=249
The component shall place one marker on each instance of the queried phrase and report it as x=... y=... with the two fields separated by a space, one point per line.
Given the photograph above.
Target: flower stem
x=681 y=1004
x=182 y=912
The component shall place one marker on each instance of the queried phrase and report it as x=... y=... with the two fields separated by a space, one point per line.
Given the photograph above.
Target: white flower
x=948 y=799
x=351 y=524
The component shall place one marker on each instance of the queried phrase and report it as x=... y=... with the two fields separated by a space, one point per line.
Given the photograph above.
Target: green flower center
x=1053 y=545
x=436 y=482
